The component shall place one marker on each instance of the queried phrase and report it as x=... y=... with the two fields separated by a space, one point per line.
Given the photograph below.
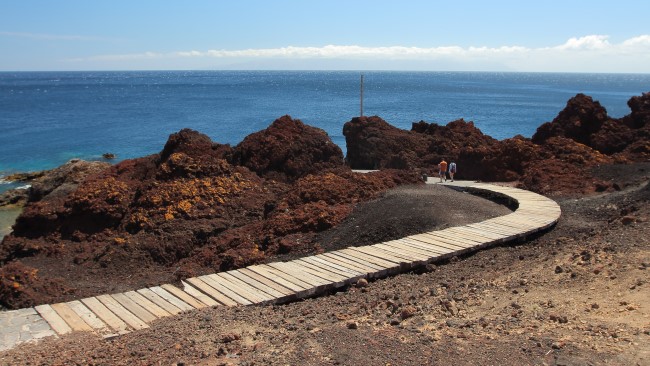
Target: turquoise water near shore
x=47 y=118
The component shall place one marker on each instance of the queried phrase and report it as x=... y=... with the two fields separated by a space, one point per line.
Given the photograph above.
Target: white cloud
x=591 y=53
x=593 y=42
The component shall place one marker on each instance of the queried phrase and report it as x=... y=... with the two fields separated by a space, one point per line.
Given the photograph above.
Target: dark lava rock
x=192 y=206
x=288 y=149
x=558 y=159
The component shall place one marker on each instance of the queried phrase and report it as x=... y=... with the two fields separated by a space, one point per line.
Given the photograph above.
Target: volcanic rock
x=195 y=206
x=288 y=149
x=558 y=158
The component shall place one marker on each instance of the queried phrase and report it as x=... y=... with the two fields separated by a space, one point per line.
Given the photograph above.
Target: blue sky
x=565 y=36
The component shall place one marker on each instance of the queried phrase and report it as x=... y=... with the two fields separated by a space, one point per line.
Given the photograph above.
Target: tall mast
x=361 y=98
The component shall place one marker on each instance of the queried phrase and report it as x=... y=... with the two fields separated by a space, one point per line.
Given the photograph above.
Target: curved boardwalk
x=278 y=282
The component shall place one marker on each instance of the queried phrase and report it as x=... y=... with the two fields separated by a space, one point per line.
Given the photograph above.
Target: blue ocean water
x=47 y=118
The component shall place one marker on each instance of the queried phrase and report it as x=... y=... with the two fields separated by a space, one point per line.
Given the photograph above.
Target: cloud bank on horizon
x=592 y=53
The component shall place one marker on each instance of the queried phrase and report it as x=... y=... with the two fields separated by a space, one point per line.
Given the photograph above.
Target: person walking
x=442 y=167
x=452 y=170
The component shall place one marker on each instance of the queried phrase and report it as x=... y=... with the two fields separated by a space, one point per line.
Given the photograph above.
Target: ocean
x=48 y=118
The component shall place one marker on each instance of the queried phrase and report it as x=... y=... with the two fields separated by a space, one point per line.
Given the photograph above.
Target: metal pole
x=361 y=114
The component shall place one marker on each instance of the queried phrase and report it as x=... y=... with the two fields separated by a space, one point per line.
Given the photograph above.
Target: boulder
x=288 y=149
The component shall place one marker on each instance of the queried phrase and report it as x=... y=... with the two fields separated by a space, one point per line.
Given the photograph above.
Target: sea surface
x=48 y=118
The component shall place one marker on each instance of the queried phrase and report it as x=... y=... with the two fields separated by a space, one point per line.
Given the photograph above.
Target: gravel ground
x=576 y=295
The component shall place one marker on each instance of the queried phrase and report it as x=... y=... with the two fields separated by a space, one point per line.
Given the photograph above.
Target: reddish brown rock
x=586 y=121
x=192 y=208
x=557 y=159
x=372 y=143
x=288 y=149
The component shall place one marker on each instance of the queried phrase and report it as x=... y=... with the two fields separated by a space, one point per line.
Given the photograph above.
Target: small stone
x=557 y=345
x=626 y=220
x=394 y=322
x=362 y=282
x=353 y=325
x=408 y=312
x=558 y=318
x=595 y=306
x=558 y=269
x=229 y=337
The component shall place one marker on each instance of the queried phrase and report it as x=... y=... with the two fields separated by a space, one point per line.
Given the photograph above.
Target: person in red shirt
x=443 y=170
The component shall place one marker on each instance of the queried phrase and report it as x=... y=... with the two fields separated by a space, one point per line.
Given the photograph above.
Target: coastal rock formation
x=50 y=184
x=288 y=149
x=558 y=158
x=196 y=207
x=586 y=121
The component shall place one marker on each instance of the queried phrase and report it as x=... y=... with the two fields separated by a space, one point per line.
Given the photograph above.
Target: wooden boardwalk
x=279 y=282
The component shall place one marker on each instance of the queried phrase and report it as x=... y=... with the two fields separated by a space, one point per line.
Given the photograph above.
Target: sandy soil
x=576 y=295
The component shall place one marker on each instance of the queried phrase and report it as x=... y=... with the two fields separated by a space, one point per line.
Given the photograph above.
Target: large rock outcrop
x=288 y=149
x=585 y=121
x=558 y=158
x=196 y=207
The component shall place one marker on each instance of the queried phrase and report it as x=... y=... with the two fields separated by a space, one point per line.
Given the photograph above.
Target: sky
x=429 y=35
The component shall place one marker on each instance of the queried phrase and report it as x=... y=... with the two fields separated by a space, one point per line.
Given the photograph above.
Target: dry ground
x=576 y=295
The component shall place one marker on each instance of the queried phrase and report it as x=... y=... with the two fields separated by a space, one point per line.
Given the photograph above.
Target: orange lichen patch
x=182 y=198
x=109 y=190
x=119 y=241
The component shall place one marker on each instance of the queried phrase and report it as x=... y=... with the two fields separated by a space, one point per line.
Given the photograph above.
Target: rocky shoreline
x=199 y=206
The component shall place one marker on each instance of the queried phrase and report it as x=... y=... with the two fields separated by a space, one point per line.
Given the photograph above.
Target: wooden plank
x=156 y=299
x=415 y=256
x=261 y=294
x=499 y=229
x=74 y=321
x=494 y=235
x=482 y=233
x=434 y=238
x=192 y=291
x=435 y=250
x=181 y=295
x=222 y=299
x=436 y=244
x=105 y=314
x=88 y=316
x=286 y=291
x=333 y=279
x=454 y=234
x=243 y=273
x=134 y=308
x=148 y=305
x=53 y=318
x=422 y=255
x=119 y=310
x=354 y=263
x=333 y=267
x=403 y=260
x=218 y=284
x=363 y=259
x=383 y=262
x=175 y=300
x=271 y=273
x=460 y=239
x=329 y=275
x=282 y=278
x=285 y=270
x=289 y=269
